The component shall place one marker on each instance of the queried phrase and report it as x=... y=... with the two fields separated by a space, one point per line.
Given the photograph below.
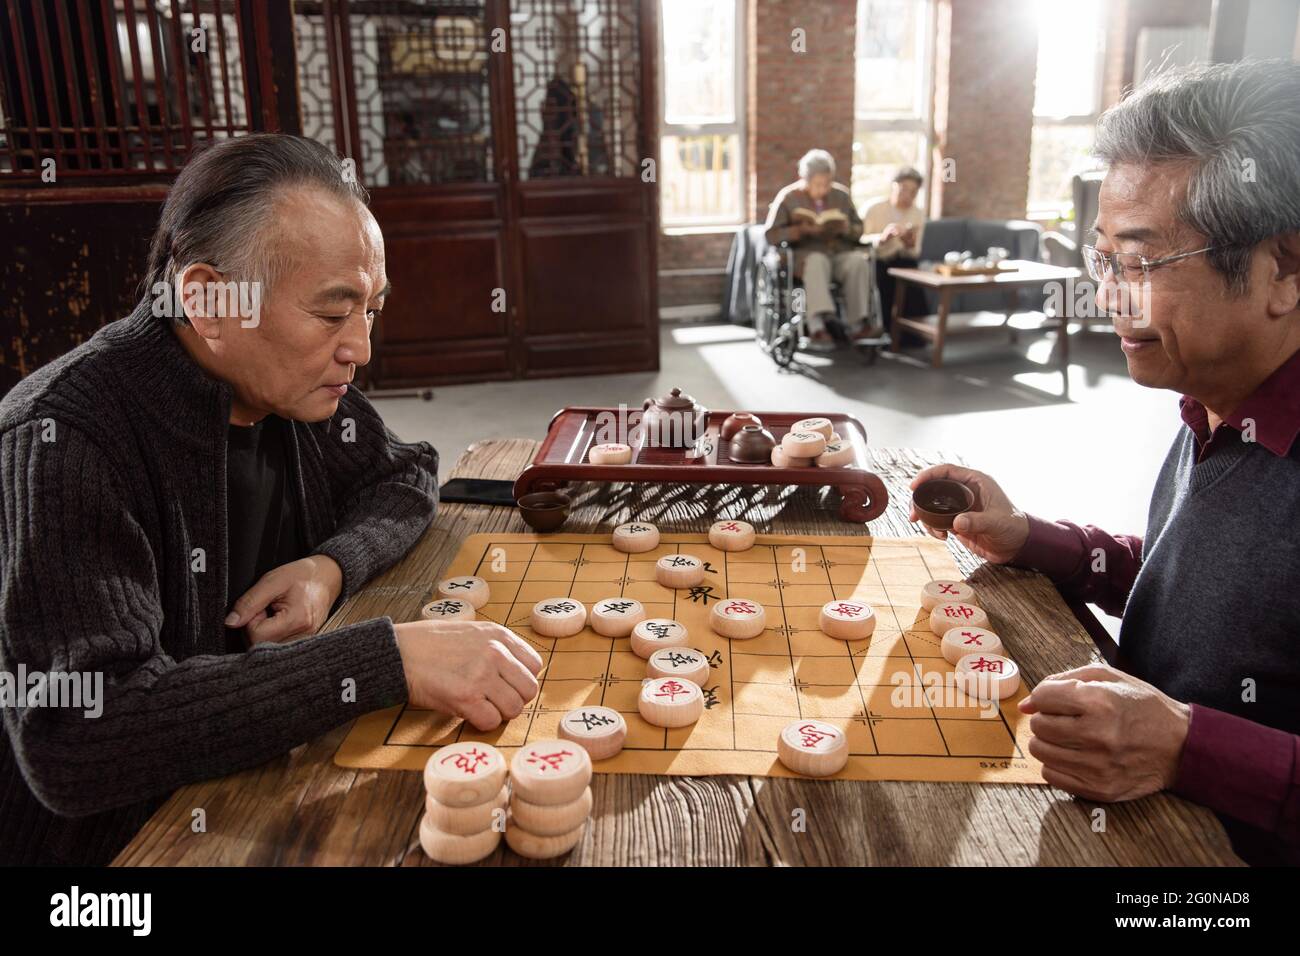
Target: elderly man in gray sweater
x=189 y=494
x=1197 y=260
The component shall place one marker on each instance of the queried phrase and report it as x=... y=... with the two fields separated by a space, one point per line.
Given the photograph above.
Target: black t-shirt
x=263 y=527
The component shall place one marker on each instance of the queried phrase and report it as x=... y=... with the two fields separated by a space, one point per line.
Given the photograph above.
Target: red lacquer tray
x=563 y=458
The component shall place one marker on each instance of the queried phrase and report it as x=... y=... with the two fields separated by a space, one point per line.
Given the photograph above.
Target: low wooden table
x=303 y=809
x=1026 y=275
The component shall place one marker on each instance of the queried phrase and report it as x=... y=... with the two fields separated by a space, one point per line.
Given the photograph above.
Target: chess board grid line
x=785 y=621
x=749 y=750
x=826 y=564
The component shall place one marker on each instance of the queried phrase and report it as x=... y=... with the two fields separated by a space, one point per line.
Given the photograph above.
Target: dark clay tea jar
x=752 y=445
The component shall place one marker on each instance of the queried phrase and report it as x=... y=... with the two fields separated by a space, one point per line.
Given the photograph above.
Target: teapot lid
x=675 y=399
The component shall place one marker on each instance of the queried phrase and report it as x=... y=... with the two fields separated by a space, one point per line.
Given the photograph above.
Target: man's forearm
x=1085 y=562
x=167 y=724
x=382 y=526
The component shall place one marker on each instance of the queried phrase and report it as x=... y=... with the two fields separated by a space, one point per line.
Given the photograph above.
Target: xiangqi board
x=874 y=689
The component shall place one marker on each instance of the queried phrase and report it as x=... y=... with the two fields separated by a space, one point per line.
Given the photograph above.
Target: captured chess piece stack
x=464 y=810
x=550 y=798
x=812 y=442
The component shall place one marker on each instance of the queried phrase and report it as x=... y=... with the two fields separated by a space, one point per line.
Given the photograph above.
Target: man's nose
x=354 y=347
x=1106 y=293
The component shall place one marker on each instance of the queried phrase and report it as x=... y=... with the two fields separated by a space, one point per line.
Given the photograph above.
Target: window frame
x=737 y=127
x=922 y=121
x=1054 y=211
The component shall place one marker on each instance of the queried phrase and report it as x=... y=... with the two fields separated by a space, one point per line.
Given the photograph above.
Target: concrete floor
x=1092 y=457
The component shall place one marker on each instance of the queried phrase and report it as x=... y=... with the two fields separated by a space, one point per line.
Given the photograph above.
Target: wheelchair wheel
x=784 y=345
x=767 y=310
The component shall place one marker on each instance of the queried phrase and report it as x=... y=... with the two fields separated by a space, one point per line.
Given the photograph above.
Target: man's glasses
x=1127 y=266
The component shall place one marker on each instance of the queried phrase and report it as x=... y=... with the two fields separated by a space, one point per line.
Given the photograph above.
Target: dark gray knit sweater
x=114 y=474
x=1217 y=600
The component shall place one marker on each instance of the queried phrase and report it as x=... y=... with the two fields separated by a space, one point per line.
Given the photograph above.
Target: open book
x=825 y=216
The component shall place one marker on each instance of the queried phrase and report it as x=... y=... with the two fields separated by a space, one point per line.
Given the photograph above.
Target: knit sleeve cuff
x=1237 y=767
x=1052 y=548
x=355 y=669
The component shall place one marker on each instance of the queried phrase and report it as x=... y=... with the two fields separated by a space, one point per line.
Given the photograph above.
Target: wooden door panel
x=443 y=287
x=582 y=278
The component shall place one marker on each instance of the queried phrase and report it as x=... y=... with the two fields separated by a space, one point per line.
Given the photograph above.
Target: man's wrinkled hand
x=290 y=601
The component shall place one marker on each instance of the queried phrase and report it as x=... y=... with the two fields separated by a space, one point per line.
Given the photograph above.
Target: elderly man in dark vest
x=188 y=495
x=1197 y=260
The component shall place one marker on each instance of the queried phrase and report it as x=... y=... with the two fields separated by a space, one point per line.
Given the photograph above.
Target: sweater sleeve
x=1085 y=563
x=385 y=491
x=779 y=225
x=80 y=595
x=1243 y=770
x=854 y=231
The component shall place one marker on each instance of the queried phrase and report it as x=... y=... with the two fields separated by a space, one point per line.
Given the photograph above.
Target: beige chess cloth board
x=756 y=686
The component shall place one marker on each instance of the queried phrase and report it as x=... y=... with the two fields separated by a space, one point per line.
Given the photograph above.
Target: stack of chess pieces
x=550 y=798
x=541 y=802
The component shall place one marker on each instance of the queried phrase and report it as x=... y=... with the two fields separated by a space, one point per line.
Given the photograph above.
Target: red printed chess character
x=552 y=761
x=972 y=637
x=947 y=589
x=848 y=610
x=986 y=665
x=468 y=761
x=739 y=607
x=812 y=736
x=958 y=610
x=670 y=689
x=729 y=526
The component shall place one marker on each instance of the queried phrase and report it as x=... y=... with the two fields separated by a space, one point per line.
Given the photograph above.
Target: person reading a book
x=815 y=215
x=894 y=225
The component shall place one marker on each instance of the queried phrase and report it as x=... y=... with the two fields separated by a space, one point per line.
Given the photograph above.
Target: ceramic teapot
x=673 y=421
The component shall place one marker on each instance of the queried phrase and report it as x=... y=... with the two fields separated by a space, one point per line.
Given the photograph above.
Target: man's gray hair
x=814 y=162
x=221 y=209
x=1238 y=125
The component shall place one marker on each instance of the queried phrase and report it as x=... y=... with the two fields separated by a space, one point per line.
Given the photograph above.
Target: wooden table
x=1026 y=275
x=303 y=809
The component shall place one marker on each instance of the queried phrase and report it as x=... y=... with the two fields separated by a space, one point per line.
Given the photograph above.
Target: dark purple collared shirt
x=1241 y=769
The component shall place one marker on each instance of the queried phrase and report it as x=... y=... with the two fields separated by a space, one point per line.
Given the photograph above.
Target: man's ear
x=201 y=309
x=1284 y=284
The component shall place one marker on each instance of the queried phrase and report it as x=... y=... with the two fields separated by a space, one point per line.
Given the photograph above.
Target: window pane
x=1057 y=153
x=699 y=61
x=1069 y=35
x=701 y=178
x=890 y=46
x=877 y=156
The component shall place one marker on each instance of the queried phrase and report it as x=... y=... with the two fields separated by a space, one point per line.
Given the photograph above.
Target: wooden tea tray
x=946 y=270
x=563 y=458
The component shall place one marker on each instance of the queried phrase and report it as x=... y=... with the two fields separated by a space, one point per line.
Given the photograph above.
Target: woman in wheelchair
x=815 y=215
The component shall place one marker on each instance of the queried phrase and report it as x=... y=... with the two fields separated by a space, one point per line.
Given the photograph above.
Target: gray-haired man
x=1198 y=262
x=197 y=486
x=816 y=216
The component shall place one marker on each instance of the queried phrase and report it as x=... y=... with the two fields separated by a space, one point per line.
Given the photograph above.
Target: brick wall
x=795 y=102
x=986 y=56
x=798 y=101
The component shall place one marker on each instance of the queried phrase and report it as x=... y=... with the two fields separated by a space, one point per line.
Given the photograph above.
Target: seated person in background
x=895 y=225
x=190 y=493
x=816 y=216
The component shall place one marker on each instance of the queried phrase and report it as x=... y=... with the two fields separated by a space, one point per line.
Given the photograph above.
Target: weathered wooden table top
x=302 y=809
